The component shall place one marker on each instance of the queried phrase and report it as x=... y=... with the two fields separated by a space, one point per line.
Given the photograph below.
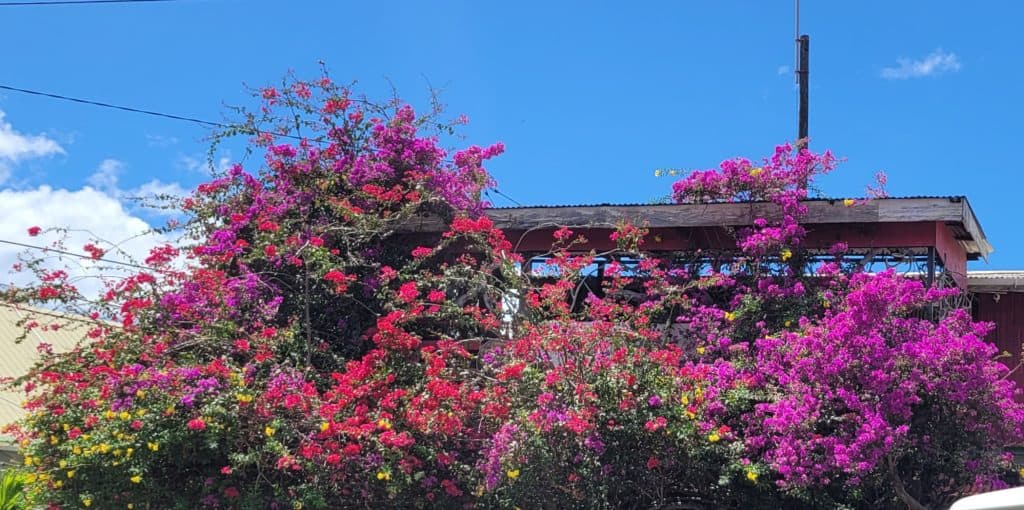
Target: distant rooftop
x=995 y=281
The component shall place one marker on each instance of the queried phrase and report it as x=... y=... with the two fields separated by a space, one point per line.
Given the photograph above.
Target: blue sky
x=589 y=97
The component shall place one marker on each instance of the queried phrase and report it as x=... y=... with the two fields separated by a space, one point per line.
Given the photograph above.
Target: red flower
x=421 y=251
x=48 y=292
x=407 y=292
x=242 y=345
x=270 y=250
x=34 y=231
x=197 y=424
x=95 y=252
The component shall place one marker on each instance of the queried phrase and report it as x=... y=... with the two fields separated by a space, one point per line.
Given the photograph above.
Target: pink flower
x=197 y=424
x=34 y=231
x=408 y=292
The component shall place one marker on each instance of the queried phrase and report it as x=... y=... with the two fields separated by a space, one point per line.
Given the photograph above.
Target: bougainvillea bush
x=344 y=327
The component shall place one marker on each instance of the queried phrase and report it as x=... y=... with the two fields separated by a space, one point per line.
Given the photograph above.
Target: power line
x=133 y=109
x=153 y=113
x=79 y=255
x=77 y=2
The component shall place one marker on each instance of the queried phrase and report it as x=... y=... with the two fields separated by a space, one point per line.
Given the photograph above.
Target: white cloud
x=158 y=188
x=935 y=63
x=15 y=147
x=193 y=164
x=89 y=213
x=160 y=140
x=781 y=70
x=107 y=177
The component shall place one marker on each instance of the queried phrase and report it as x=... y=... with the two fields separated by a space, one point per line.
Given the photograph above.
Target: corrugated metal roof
x=995 y=281
x=16 y=358
x=951 y=198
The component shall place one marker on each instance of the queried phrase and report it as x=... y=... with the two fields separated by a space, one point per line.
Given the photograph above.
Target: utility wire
x=160 y=114
x=77 y=2
x=72 y=254
x=133 y=110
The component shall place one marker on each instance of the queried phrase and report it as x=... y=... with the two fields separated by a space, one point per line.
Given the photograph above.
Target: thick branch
x=901 y=490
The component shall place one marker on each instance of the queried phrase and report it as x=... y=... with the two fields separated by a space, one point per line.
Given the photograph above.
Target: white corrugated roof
x=17 y=357
x=995 y=281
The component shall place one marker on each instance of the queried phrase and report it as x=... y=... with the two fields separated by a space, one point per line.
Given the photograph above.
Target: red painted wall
x=1008 y=316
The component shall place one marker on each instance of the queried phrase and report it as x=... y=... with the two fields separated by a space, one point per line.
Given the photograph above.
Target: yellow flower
x=701 y=350
x=729 y=316
x=131 y=506
x=269 y=431
x=242 y=397
x=383 y=475
x=297 y=505
x=58 y=484
x=86 y=502
x=324 y=426
x=63 y=464
x=77 y=450
x=685 y=400
x=153 y=446
x=752 y=476
x=787 y=323
x=513 y=473
x=71 y=473
x=849 y=202
x=140 y=393
x=104 y=448
x=754 y=172
x=384 y=423
x=136 y=479
x=125 y=415
x=28 y=460
x=786 y=254
x=690 y=414
x=110 y=415
x=714 y=437
x=1021 y=472
x=129 y=452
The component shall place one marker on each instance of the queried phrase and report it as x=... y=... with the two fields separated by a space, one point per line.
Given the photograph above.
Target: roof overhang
x=995 y=282
x=955 y=212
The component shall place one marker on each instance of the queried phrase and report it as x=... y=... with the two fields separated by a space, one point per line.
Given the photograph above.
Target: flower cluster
x=316 y=344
